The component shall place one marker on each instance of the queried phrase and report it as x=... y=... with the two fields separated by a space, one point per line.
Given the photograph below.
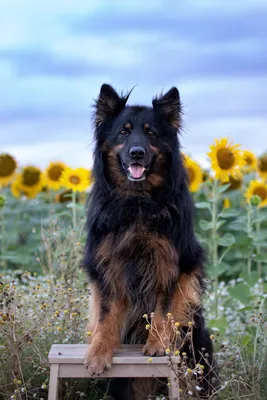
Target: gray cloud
x=32 y=61
x=157 y=63
x=196 y=25
x=187 y=46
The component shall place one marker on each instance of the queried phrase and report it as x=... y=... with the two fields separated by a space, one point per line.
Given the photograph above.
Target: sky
x=55 y=55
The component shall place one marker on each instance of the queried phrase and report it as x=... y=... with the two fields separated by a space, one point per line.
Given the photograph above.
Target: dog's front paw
x=153 y=348
x=97 y=360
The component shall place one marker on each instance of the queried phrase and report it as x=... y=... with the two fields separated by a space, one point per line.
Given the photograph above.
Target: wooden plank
x=53 y=382
x=174 y=393
x=123 y=371
x=127 y=354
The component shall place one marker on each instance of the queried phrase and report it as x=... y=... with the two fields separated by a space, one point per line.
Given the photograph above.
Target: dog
x=141 y=252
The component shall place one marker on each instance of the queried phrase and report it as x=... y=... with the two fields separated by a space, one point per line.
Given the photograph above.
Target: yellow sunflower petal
x=262 y=166
x=257 y=188
x=226 y=159
x=31 y=180
x=195 y=173
x=78 y=179
x=250 y=161
x=16 y=188
x=53 y=173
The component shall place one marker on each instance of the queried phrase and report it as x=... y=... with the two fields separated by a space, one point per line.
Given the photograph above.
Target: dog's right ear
x=108 y=104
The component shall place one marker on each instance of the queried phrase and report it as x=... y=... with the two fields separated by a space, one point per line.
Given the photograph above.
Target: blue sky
x=54 y=56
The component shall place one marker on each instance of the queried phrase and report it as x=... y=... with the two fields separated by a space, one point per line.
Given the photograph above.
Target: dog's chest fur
x=139 y=258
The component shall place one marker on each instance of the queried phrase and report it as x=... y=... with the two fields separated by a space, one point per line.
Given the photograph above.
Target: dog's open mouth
x=135 y=172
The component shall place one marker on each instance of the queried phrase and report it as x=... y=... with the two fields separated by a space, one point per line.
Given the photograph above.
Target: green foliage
x=46 y=239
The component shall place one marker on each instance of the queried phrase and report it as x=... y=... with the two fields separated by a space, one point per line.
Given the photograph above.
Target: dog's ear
x=108 y=104
x=168 y=106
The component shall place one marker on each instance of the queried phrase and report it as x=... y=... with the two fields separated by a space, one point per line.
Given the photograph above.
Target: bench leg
x=53 y=382
x=174 y=393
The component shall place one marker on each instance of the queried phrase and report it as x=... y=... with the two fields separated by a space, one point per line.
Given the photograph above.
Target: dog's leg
x=185 y=310
x=185 y=298
x=106 y=334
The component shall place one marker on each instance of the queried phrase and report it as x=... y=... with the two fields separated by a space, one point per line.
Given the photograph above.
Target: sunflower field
x=44 y=293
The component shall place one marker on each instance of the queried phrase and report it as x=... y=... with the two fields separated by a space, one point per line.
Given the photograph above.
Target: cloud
x=32 y=62
x=184 y=20
x=55 y=56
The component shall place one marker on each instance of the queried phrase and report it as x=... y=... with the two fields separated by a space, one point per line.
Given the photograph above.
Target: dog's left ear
x=169 y=107
x=108 y=104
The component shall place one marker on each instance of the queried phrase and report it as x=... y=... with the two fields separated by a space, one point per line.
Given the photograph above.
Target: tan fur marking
x=155 y=179
x=146 y=126
x=159 y=255
x=128 y=126
x=187 y=294
x=113 y=168
x=105 y=338
x=94 y=312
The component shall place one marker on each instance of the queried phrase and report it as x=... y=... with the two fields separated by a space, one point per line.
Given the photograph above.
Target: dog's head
x=136 y=141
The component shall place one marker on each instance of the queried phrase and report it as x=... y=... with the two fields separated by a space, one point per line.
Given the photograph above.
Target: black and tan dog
x=141 y=253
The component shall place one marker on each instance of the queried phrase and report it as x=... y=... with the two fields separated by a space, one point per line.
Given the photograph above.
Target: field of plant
x=44 y=292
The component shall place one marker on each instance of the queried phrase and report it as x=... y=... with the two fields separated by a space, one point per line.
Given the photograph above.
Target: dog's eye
x=150 y=133
x=124 y=132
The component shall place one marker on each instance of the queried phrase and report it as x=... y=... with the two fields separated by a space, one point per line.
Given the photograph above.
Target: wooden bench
x=66 y=361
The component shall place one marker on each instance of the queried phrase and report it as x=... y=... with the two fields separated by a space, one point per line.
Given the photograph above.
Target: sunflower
x=76 y=179
x=226 y=203
x=257 y=188
x=235 y=183
x=250 y=161
x=226 y=159
x=8 y=166
x=262 y=166
x=31 y=180
x=194 y=172
x=65 y=197
x=53 y=173
x=15 y=188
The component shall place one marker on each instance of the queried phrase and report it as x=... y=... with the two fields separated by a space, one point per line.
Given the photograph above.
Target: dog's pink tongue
x=136 y=171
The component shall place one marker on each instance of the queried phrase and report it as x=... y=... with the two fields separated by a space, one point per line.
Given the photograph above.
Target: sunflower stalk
x=250 y=234
x=74 y=210
x=258 y=247
x=2 y=223
x=215 y=242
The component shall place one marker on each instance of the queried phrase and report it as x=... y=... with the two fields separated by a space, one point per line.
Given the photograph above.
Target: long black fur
x=166 y=209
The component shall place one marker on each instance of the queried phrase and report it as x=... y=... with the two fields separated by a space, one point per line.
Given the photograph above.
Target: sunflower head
x=235 y=183
x=250 y=161
x=257 y=188
x=194 y=173
x=78 y=179
x=65 y=197
x=262 y=166
x=226 y=159
x=8 y=166
x=31 y=180
x=53 y=174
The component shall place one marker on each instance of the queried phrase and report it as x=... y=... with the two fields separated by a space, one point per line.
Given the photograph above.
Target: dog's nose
x=137 y=152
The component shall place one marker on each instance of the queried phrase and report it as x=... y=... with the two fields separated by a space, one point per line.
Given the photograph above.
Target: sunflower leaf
x=226 y=240
x=228 y=213
x=202 y=205
x=261 y=258
x=205 y=225
x=224 y=187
